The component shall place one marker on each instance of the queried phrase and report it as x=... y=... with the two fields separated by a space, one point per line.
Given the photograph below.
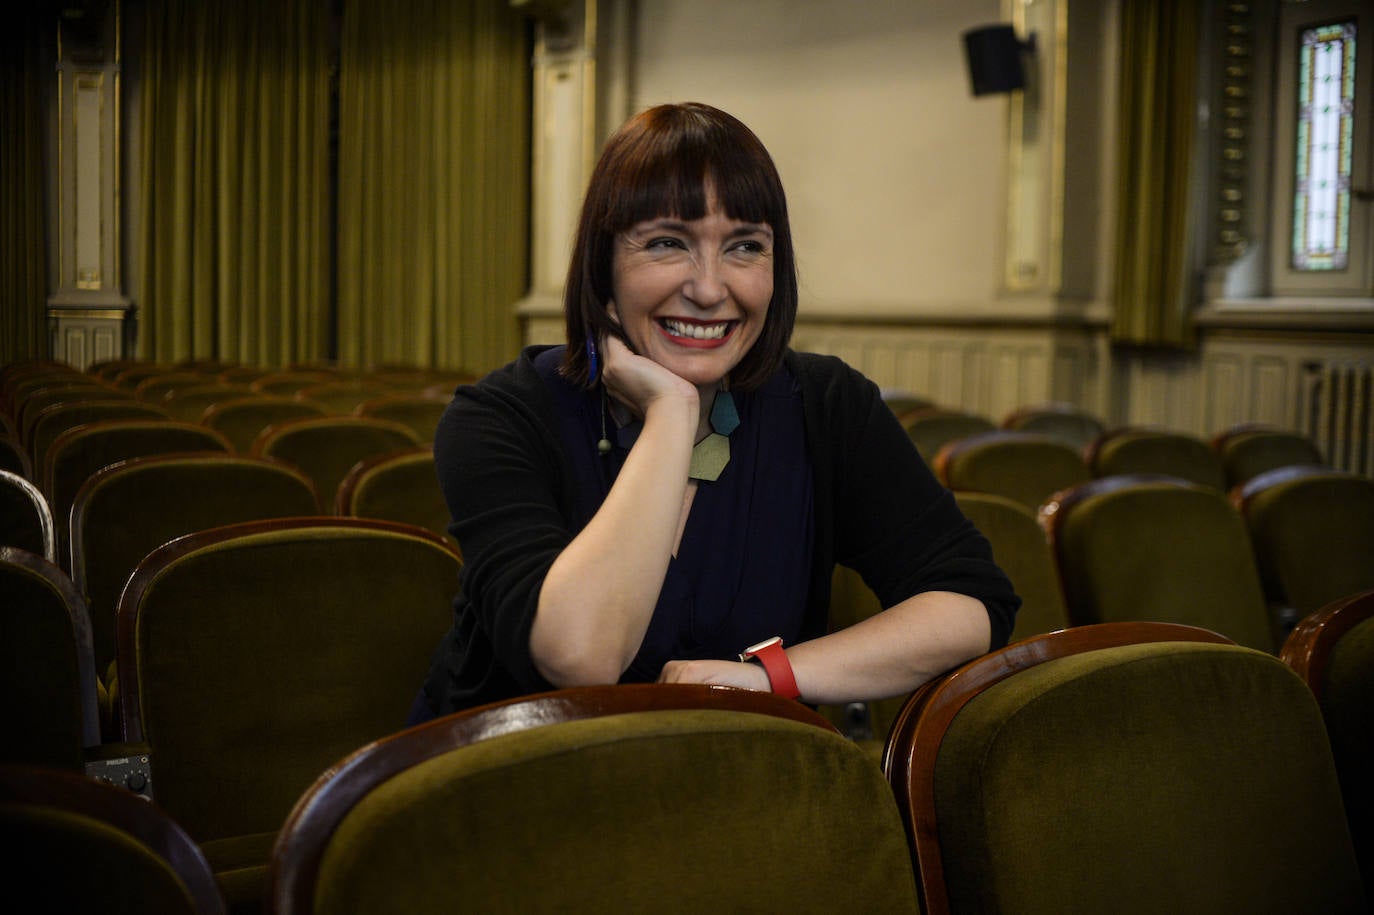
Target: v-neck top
x=741 y=571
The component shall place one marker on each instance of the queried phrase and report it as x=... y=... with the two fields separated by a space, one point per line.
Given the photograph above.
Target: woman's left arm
x=889 y=654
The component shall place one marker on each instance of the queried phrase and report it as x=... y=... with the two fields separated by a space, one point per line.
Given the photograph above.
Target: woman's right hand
x=637 y=381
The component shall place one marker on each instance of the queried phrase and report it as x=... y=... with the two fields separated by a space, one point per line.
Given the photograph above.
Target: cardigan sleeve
x=894 y=522
x=501 y=473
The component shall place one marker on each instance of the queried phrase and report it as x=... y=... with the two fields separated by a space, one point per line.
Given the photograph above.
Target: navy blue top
x=742 y=568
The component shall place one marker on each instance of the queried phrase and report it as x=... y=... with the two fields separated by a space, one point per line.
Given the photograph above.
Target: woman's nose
x=705 y=287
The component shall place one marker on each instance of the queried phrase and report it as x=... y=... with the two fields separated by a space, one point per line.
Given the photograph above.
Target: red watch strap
x=778 y=668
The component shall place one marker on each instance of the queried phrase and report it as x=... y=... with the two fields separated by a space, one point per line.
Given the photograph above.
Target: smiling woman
x=675 y=485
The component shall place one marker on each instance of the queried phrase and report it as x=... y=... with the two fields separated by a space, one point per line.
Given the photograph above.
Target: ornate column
x=89 y=317
x=582 y=91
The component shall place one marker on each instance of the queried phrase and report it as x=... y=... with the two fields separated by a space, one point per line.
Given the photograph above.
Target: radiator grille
x=1337 y=402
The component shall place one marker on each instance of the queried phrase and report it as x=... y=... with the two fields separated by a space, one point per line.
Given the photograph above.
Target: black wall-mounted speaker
x=995 y=62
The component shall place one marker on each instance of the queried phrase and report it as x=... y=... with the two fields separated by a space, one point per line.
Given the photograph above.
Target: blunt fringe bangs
x=660 y=163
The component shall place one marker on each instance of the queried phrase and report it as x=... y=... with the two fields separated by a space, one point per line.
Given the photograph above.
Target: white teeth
x=696 y=331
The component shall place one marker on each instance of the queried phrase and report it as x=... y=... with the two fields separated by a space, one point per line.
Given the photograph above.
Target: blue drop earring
x=592 y=367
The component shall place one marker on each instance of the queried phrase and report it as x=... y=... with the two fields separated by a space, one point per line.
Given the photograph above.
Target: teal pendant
x=724 y=415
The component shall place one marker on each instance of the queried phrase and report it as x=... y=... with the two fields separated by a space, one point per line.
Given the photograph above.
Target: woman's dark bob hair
x=660 y=164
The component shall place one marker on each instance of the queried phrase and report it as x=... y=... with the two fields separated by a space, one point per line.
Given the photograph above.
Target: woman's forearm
x=889 y=654
x=892 y=652
x=599 y=595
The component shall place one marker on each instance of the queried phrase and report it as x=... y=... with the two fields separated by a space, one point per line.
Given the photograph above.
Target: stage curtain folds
x=234 y=175
x=434 y=103
x=23 y=178
x=1156 y=121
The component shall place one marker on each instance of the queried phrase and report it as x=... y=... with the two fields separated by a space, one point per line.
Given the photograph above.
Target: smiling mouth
x=697 y=330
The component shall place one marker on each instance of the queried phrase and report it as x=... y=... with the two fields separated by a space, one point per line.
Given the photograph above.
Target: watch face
x=755 y=649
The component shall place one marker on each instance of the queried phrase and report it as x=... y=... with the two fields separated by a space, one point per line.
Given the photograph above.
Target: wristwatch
x=769 y=653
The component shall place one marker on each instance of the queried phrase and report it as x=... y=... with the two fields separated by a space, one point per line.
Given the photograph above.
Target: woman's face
x=692 y=295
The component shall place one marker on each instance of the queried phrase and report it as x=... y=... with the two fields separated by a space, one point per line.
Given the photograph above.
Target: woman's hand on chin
x=637 y=381
x=716 y=673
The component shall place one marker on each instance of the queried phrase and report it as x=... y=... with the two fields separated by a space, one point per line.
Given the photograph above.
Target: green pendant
x=709 y=457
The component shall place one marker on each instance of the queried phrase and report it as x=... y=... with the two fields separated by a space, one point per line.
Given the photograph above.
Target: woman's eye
x=749 y=246
x=666 y=241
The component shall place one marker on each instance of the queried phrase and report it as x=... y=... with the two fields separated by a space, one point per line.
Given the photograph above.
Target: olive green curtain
x=1153 y=282
x=434 y=102
x=23 y=177
x=234 y=173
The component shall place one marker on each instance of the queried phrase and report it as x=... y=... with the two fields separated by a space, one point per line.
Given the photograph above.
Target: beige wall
x=894 y=172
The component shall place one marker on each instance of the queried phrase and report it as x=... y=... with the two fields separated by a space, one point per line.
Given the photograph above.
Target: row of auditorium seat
x=86 y=423
x=1082 y=549
x=1129 y=767
x=191 y=760
x=1078 y=445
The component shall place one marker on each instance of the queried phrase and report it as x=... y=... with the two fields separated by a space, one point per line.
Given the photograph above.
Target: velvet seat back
x=1176 y=454
x=931 y=429
x=74 y=844
x=190 y=403
x=399 y=486
x=1021 y=549
x=1022 y=466
x=1139 y=548
x=253 y=656
x=1065 y=422
x=326 y=448
x=78 y=453
x=1313 y=533
x=1168 y=777
x=57 y=419
x=125 y=511
x=242 y=419
x=689 y=810
x=1250 y=451
x=48 y=695
x=419 y=411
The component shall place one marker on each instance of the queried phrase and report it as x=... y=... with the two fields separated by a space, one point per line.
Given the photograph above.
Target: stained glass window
x=1326 y=118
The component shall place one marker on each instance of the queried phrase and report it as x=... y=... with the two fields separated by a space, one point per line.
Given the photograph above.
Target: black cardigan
x=510 y=490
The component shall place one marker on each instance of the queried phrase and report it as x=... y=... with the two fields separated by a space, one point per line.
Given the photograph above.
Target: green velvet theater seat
x=638 y=798
x=1250 y=449
x=125 y=511
x=932 y=428
x=1333 y=651
x=1312 y=529
x=419 y=410
x=1066 y=422
x=1022 y=550
x=1123 y=768
x=189 y=404
x=1023 y=466
x=327 y=447
x=78 y=453
x=253 y=656
x=53 y=421
x=74 y=845
x=242 y=419
x=397 y=486
x=49 y=697
x=1144 y=547
x=1132 y=450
